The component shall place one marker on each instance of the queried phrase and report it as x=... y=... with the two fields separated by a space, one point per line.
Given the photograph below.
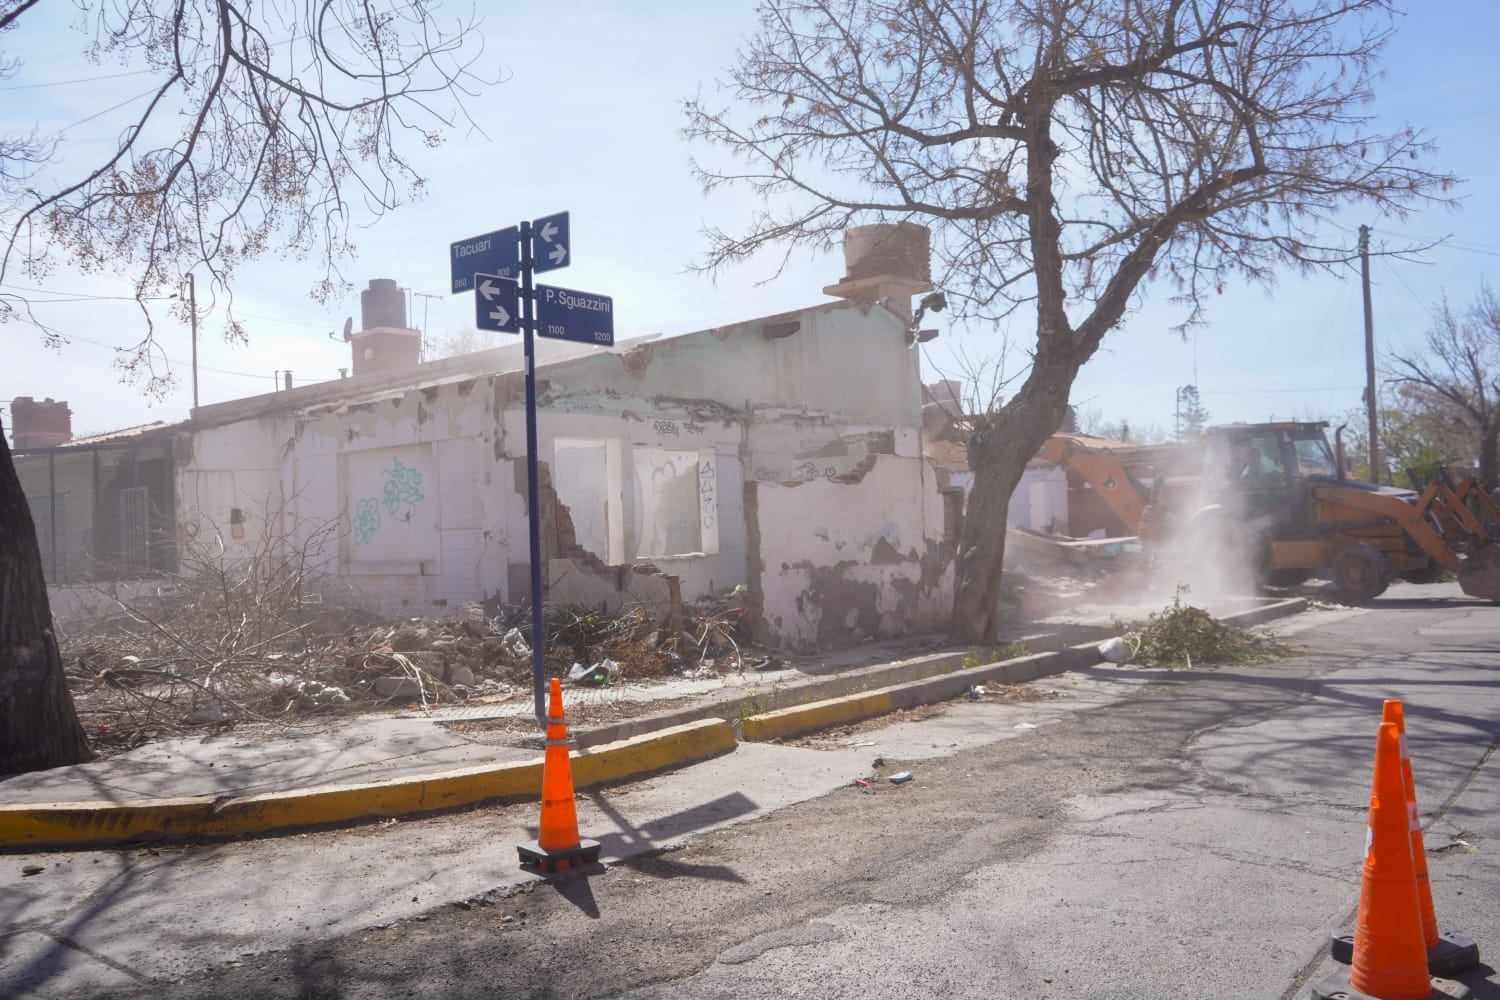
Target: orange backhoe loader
x=1277 y=495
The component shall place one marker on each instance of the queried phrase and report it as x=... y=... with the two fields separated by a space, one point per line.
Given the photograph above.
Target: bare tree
x=1456 y=383
x=460 y=341
x=1065 y=152
x=267 y=129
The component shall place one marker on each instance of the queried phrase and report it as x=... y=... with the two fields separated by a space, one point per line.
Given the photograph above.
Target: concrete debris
x=397 y=687
x=206 y=715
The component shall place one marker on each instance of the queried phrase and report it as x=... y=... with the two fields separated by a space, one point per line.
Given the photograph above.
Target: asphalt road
x=1133 y=834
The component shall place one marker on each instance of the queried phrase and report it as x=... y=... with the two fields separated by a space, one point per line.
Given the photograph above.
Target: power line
x=1256 y=392
x=129 y=73
x=177 y=361
x=100 y=114
x=81 y=79
x=70 y=297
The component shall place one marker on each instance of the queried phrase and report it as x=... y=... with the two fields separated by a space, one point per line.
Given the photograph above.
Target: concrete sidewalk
x=244 y=783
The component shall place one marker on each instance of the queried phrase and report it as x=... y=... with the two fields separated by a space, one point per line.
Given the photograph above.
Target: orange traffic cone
x=1390 y=957
x=1447 y=954
x=557 y=846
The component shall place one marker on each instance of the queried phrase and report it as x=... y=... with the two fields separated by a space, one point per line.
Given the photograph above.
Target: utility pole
x=193 y=315
x=1370 y=404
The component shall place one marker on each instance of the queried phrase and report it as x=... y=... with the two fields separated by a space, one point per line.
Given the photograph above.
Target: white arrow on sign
x=489 y=291
x=548 y=231
x=557 y=253
x=499 y=315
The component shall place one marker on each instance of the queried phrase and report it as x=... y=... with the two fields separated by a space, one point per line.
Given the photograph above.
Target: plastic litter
x=1114 y=650
x=603 y=672
x=901 y=778
x=516 y=644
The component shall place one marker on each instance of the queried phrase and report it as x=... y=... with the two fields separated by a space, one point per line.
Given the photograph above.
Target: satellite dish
x=349 y=329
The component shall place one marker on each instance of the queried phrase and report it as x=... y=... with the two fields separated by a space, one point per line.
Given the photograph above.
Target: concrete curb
x=798 y=720
x=778 y=696
x=85 y=824
x=1258 y=616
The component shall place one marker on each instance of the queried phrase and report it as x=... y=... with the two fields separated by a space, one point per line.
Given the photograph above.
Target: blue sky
x=588 y=121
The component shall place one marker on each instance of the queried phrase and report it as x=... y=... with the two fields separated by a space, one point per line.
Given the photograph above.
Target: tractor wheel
x=1361 y=573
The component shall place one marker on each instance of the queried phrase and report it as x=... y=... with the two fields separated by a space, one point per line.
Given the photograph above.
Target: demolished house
x=783 y=455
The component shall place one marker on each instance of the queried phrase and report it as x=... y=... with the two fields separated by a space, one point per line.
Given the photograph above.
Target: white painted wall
x=426 y=488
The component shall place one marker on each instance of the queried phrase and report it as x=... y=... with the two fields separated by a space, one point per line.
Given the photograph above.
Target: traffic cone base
x=553 y=861
x=1336 y=986
x=1453 y=953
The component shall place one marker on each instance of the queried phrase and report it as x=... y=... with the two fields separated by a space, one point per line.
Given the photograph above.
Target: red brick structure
x=44 y=424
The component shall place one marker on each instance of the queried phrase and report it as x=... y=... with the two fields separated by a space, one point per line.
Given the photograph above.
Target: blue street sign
x=549 y=242
x=583 y=317
x=497 y=304
x=496 y=253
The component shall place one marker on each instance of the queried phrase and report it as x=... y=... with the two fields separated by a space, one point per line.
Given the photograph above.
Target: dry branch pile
x=252 y=640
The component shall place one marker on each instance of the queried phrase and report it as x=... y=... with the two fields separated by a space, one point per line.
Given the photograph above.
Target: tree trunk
x=998 y=453
x=1489 y=444
x=38 y=725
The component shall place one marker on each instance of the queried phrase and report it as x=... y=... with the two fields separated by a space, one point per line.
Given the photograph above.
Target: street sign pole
x=486 y=265
x=533 y=490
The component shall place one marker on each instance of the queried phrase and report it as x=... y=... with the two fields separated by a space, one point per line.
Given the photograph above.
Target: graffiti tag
x=401 y=492
x=366 y=521
x=706 y=493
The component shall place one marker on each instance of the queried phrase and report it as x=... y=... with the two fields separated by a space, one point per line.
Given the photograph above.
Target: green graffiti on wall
x=401 y=492
x=366 y=520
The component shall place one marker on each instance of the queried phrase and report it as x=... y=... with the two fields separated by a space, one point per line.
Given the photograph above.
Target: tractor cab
x=1259 y=471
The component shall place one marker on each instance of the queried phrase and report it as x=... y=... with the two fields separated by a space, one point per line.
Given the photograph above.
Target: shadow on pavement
x=634 y=840
x=574 y=887
x=1481 y=979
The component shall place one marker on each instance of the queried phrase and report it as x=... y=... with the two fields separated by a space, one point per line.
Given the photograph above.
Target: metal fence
x=102 y=511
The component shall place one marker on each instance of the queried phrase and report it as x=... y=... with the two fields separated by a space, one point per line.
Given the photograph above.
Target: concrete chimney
x=44 y=424
x=889 y=261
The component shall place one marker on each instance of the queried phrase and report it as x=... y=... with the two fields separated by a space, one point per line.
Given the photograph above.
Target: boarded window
x=677 y=503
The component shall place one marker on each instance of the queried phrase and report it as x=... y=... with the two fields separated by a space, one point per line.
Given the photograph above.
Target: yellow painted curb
x=82 y=823
x=801 y=719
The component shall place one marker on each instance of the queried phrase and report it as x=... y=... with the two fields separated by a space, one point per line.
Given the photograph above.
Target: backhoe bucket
x=1479 y=574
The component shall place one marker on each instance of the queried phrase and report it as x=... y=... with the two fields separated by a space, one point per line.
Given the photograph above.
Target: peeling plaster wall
x=233 y=474
x=426 y=487
x=846 y=560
